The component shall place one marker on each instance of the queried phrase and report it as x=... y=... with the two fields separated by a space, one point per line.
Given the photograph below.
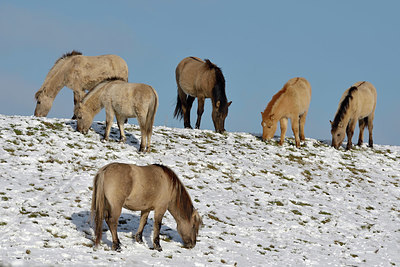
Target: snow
x=261 y=203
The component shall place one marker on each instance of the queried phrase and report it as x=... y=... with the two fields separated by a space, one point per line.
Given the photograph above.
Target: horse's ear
x=218 y=104
x=229 y=103
x=331 y=122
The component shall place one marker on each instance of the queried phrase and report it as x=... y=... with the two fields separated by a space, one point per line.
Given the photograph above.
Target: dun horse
x=124 y=100
x=357 y=104
x=80 y=73
x=142 y=188
x=291 y=102
x=201 y=79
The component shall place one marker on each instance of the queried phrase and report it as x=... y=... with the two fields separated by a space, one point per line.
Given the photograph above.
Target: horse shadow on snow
x=127 y=223
x=99 y=128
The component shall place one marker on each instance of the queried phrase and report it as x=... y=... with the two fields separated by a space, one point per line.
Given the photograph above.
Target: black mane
x=183 y=201
x=218 y=92
x=343 y=108
x=70 y=54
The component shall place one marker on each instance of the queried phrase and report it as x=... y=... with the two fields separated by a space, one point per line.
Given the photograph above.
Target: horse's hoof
x=159 y=249
x=139 y=239
x=116 y=247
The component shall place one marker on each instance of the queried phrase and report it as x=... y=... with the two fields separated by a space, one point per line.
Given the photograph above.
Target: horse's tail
x=178 y=113
x=98 y=205
x=151 y=114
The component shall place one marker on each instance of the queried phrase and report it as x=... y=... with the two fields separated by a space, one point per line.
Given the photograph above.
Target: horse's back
x=131 y=98
x=143 y=187
x=299 y=89
x=365 y=96
x=90 y=70
x=189 y=76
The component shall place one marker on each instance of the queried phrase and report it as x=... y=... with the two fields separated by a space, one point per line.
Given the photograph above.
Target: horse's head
x=83 y=117
x=43 y=104
x=269 y=124
x=219 y=114
x=338 y=134
x=188 y=230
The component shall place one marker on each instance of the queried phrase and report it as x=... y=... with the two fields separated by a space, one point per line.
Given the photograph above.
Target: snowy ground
x=261 y=204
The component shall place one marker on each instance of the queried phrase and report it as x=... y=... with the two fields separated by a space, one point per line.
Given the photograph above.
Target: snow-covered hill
x=261 y=204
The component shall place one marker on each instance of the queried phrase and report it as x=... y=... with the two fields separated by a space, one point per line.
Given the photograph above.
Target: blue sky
x=259 y=45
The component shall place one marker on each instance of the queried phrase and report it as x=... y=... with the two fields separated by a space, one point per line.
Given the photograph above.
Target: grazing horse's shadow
x=127 y=223
x=99 y=128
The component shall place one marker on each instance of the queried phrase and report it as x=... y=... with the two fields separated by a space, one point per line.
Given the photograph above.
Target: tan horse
x=80 y=73
x=357 y=104
x=142 y=188
x=124 y=100
x=201 y=79
x=291 y=102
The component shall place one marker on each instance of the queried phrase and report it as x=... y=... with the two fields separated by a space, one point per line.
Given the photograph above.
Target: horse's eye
x=38 y=102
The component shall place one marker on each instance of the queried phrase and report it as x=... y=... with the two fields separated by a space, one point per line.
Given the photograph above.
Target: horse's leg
x=200 y=110
x=78 y=96
x=186 y=112
x=283 y=122
x=295 y=129
x=148 y=132
x=109 y=122
x=185 y=108
x=361 y=125
x=350 y=131
x=143 y=221
x=120 y=122
x=112 y=222
x=142 y=124
x=370 y=127
x=158 y=215
x=302 y=123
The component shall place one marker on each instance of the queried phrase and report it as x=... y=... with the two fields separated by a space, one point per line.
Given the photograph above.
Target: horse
x=291 y=102
x=201 y=79
x=356 y=104
x=124 y=100
x=80 y=73
x=142 y=188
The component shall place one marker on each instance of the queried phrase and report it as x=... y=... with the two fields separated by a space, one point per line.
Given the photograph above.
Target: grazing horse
x=357 y=104
x=291 y=102
x=201 y=79
x=142 y=188
x=80 y=73
x=124 y=100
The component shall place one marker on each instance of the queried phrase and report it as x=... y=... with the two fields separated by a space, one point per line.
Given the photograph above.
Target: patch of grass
x=296 y=212
x=53 y=126
x=276 y=202
x=300 y=203
x=3 y=223
x=212 y=167
x=18 y=132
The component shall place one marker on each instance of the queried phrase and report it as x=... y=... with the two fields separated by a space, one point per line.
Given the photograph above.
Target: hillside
x=261 y=204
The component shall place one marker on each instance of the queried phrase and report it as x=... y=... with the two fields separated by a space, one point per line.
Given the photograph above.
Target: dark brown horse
x=201 y=79
x=144 y=188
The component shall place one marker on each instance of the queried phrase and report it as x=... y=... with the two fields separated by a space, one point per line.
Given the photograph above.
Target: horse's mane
x=275 y=97
x=344 y=105
x=70 y=54
x=218 y=91
x=183 y=201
